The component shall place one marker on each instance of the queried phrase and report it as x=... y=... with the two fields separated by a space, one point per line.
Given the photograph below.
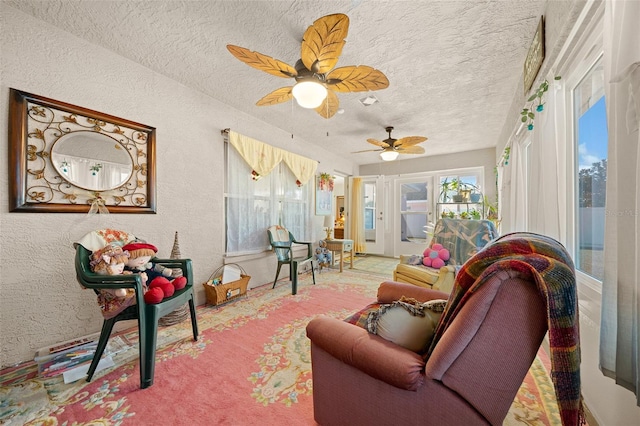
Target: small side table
x=340 y=246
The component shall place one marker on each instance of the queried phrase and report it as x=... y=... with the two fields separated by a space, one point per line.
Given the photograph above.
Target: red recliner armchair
x=471 y=376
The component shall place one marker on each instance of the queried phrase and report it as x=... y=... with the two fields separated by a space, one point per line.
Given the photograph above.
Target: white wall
x=40 y=302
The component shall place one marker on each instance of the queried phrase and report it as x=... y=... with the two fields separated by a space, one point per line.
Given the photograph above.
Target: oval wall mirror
x=64 y=158
x=91 y=160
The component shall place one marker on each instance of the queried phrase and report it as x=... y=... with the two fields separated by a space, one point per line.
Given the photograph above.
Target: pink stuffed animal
x=435 y=256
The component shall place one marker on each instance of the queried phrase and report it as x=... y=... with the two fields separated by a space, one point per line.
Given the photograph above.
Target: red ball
x=154 y=296
x=164 y=284
x=179 y=283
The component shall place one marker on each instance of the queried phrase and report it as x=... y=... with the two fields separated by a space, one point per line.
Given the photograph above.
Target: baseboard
x=591 y=420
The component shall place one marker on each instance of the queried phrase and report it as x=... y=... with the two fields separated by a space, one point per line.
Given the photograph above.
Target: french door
x=415 y=198
x=373 y=211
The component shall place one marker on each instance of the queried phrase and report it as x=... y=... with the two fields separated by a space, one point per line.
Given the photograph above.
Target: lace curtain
x=253 y=203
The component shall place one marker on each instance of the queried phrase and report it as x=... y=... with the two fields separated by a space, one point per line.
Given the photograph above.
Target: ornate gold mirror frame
x=51 y=143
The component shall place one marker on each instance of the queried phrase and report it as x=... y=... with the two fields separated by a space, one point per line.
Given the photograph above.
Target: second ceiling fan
x=391 y=148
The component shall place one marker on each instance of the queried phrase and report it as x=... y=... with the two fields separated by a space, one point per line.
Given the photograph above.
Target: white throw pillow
x=403 y=323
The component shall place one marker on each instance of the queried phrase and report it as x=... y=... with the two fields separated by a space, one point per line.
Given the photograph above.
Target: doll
x=159 y=286
x=110 y=260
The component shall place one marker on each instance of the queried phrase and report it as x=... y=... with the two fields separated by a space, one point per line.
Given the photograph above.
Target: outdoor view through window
x=590 y=121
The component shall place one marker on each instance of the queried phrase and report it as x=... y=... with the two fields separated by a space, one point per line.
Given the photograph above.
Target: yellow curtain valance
x=263 y=158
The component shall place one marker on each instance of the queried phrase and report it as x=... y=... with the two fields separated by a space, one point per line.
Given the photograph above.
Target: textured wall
x=40 y=302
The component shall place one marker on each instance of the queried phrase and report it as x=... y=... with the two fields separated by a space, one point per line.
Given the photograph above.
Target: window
x=461 y=194
x=414 y=211
x=251 y=206
x=369 y=206
x=590 y=127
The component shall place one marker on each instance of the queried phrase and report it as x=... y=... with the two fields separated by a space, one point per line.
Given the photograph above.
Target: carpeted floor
x=250 y=366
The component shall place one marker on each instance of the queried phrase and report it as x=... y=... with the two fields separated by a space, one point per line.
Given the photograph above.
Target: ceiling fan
x=391 y=148
x=316 y=80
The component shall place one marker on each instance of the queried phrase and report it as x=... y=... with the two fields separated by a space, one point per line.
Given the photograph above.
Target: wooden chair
x=282 y=242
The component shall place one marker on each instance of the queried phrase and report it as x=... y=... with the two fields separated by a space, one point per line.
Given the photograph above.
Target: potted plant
x=491 y=210
x=457 y=185
x=445 y=188
x=475 y=214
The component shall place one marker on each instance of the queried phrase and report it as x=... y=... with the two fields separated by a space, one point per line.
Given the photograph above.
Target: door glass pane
x=370 y=211
x=590 y=123
x=414 y=212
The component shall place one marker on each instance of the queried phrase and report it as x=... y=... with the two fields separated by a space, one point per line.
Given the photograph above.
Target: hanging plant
x=505 y=155
x=527 y=115
x=326 y=182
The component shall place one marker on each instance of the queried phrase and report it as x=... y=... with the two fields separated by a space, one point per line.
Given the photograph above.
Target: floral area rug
x=251 y=365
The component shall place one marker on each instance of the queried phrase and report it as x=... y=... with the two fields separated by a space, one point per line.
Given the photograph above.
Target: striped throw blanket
x=551 y=267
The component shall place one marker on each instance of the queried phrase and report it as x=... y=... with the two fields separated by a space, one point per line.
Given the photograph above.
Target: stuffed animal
x=323 y=254
x=111 y=260
x=436 y=256
x=159 y=286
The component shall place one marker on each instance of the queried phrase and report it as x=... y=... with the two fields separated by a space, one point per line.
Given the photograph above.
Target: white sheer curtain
x=514 y=191
x=548 y=186
x=254 y=205
x=248 y=207
x=619 y=333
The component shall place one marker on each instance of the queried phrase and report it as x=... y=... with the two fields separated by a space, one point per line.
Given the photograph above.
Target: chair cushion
x=418 y=272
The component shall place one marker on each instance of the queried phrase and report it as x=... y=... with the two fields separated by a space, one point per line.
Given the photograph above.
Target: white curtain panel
x=547 y=199
x=619 y=333
x=515 y=221
x=500 y=171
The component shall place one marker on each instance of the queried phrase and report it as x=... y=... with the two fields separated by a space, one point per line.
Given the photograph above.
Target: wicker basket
x=217 y=294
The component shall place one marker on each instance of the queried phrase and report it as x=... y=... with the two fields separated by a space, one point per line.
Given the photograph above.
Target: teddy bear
x=155 y=278
x=323 y=255
x=435 y=256
x=111 y=260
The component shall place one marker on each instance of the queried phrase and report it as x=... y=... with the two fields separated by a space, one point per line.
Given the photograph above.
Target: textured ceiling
x=453 y=66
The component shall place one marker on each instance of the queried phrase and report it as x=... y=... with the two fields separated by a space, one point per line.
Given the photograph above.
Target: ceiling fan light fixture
x=309 y=94
x=388 y=155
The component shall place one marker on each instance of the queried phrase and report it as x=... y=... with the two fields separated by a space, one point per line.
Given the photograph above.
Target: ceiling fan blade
x=356 y=79
x=378 y=143
x=278 y=96
x=262 y=62
x=323 y=41
x=329 y=106
x=409 y=141
x=367 y=150
x=411 y=150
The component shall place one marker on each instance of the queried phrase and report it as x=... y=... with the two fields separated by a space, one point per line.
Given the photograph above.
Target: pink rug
x=250 y=366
